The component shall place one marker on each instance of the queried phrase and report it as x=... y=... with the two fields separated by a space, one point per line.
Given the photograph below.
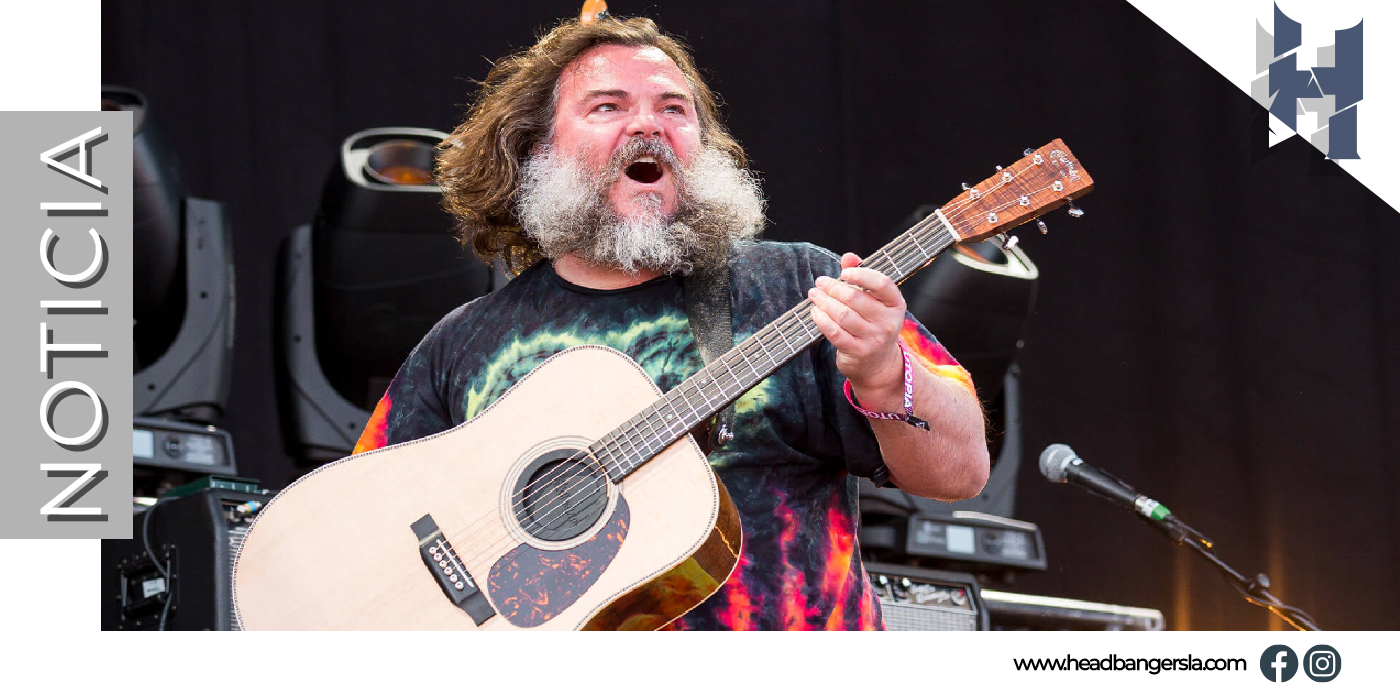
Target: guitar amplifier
x=926 y=599
x=195 y=536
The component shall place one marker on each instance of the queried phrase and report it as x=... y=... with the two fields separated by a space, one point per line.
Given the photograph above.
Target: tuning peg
x=1041 y=225
x=1008 y=242
x=998 y=168
x=1073 y=210
x=1027 y=152
x=966 y=187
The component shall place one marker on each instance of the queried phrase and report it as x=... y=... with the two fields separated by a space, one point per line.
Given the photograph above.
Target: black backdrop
x=1220 y=330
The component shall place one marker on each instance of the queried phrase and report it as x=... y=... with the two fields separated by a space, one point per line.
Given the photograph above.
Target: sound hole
x=560 y=495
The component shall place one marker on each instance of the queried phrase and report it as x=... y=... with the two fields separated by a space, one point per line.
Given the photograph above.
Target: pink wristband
x=908 y=415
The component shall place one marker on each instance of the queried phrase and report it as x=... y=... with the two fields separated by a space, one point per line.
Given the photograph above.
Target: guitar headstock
x=1046 y=178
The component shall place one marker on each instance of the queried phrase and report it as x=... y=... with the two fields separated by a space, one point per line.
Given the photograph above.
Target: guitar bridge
x=447 y=569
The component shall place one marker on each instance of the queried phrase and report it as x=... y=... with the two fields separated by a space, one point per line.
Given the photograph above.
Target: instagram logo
x=1322 y=663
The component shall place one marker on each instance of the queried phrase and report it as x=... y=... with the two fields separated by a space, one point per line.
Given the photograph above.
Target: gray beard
x=566 y=211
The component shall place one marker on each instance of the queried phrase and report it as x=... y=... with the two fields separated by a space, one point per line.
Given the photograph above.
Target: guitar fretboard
x=693 y=401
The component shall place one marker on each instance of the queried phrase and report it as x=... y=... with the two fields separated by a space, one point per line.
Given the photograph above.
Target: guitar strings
x=1016 y=177
x=687 y=389
x=630 y=451
x=565 y=480
x=567 y=496
x=619 y=443
x=1009 y=204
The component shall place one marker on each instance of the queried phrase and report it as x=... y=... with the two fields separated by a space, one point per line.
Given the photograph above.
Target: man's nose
x=644 y=124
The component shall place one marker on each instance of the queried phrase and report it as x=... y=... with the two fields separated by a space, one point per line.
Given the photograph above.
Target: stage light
x=158 y=199
x=362 y=284
x=401 y=163
x=183 y=314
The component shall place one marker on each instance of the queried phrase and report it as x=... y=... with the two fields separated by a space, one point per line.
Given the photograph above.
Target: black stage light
x=183 y=282
x=363 y=283
x=977 y=299
x=158 y=200
x=183 y=314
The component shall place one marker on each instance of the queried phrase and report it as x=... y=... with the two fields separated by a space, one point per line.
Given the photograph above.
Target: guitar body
x=346 y=546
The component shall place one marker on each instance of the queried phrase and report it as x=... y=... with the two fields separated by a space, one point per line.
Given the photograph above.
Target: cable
x=165 y=574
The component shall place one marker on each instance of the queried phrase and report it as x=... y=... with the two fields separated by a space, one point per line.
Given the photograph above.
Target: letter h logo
x=1330 y=90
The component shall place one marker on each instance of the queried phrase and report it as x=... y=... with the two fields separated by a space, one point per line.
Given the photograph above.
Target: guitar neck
x=695 y=400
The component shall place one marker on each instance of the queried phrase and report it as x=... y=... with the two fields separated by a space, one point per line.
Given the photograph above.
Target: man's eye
x=674 y=109
x=606 y=107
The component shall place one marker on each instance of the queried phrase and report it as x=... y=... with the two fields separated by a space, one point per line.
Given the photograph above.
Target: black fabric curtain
x=1220 y=330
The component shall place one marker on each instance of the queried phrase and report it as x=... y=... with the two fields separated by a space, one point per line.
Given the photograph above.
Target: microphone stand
x=1255 y=590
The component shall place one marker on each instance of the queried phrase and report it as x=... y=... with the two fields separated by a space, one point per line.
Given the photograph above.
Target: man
x=595 y=165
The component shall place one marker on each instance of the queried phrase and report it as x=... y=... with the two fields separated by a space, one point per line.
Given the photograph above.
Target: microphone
x=1061 y=465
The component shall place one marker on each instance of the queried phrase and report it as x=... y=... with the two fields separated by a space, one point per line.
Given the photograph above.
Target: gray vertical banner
x=66 y=275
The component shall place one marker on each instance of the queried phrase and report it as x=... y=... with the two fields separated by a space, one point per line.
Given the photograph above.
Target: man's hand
x=861 y=314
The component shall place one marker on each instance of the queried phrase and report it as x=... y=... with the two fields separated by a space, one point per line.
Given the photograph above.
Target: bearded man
x=595 y=166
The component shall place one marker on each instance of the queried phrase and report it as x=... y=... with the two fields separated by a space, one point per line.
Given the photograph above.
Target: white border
x=49 y=56
x=50 y=59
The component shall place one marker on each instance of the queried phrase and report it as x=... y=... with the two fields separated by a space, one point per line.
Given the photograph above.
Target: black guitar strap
x=712 y=323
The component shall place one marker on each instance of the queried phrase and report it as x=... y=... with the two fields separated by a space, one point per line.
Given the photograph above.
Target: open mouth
x=646 y=170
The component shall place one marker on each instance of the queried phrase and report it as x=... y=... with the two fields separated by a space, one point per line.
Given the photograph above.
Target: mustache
x=638 y=147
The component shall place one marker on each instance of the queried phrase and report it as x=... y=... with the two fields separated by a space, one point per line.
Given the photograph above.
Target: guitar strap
x=712 y=323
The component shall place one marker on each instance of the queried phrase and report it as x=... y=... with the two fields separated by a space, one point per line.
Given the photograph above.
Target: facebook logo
x=1330 y=90
x=1278 y=663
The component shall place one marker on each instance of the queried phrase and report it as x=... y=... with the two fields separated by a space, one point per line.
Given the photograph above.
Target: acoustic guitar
x=578 y=500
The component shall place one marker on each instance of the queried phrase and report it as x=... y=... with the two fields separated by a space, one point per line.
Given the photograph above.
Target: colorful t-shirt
x=790 y=469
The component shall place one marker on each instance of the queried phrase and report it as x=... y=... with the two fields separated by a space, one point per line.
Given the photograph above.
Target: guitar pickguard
x=530 y=586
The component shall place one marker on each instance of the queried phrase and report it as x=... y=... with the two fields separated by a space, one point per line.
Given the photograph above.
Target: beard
x=565 y=209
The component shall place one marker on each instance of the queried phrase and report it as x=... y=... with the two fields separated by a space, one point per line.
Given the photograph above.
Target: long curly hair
x=479 y=164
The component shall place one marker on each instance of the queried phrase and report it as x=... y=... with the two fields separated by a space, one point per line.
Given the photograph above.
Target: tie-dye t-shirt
x=790 y=469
